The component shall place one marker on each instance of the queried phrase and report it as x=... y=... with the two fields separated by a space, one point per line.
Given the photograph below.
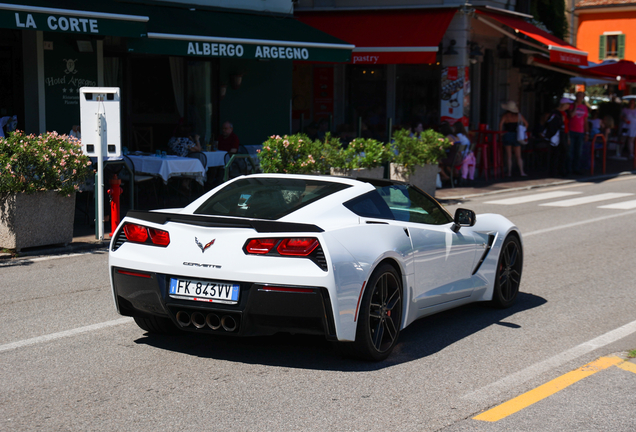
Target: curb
x=59 y=250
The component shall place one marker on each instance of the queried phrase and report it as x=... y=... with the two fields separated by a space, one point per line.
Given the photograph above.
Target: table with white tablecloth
x=215 y=158
x=169 y=166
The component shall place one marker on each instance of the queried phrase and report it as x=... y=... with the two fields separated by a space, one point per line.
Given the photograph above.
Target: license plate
x=205 y=291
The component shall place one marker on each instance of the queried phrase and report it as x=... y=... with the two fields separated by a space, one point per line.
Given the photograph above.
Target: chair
x=242 y=164
x=125 y=175
x=142 y=137
x=202 y=157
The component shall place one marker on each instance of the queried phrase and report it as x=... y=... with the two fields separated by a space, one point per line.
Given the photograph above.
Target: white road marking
x=63 y=334
x=536 y=369
x=532 y=198
x=626 y=205
x=587 y=199
x=575 y=224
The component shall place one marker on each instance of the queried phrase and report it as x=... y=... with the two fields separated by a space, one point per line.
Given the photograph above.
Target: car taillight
x=159 y=237
x=297 y=246
x=140 y=234
x=136 y=233
x=260 y=246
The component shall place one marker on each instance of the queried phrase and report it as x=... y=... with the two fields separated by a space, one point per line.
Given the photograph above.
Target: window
x=399 y=202
x=266 y=198
x=370 y=205
x=612 y=46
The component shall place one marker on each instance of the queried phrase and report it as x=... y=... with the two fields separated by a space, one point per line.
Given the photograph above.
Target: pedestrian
x=467 y=156
x=508 y=124
x=579 y=131
x=628 y=116
x=556 y=133
x=228 y=141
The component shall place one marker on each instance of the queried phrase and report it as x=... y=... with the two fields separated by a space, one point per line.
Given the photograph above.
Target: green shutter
x=621 y=46
x=601 y=47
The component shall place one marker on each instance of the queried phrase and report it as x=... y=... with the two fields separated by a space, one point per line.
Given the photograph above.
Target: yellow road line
x=628 y=366
x=547 y=389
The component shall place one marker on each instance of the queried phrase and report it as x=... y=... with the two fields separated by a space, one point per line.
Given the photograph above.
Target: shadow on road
x=421 y=339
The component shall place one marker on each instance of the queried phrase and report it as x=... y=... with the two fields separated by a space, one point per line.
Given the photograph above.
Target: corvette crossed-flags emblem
x=203 y=248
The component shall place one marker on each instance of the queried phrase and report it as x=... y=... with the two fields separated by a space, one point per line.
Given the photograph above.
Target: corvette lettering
x=191 y=264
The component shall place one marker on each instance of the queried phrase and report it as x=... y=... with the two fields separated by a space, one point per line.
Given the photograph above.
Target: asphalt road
x=69 y=362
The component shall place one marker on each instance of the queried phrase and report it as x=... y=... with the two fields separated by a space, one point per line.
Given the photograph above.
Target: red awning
x=387 y=37
x=560 y=51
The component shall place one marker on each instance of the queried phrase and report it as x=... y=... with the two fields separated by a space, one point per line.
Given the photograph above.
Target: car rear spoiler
x=261 y=226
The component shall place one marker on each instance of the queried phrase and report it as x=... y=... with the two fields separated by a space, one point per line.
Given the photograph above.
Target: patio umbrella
x=623 y=68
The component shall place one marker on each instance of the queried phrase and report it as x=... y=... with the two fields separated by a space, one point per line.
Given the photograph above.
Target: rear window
x=266 y=198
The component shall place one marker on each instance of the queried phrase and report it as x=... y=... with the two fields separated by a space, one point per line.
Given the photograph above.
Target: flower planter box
x=424 y=176
x=39 y=219
x=374 y=173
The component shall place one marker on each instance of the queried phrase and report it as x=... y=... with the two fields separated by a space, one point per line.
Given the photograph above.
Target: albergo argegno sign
x=236 y=50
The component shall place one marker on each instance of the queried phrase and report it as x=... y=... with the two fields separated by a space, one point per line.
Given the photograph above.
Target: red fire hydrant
x=114 y=192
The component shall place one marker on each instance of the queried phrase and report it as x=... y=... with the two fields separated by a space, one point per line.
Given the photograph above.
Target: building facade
x=428 y=61
x=197 y=62
x=606 y=29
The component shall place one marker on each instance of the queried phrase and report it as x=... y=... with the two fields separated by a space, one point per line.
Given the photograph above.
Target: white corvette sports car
x=354 y=260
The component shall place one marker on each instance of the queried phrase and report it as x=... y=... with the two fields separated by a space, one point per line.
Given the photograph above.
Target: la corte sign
x=237 y=50
x=57 y=23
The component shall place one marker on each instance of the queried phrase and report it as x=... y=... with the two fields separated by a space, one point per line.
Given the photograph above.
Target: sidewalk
x=615 y=167
x=84 y=233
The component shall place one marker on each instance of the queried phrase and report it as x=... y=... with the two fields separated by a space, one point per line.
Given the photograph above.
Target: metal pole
x=95 y=202
x=359 y=127
x=99 y=217
x=389 y=129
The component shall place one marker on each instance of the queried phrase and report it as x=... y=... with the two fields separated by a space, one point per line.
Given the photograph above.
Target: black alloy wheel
x=508 y=275
x=380 y=315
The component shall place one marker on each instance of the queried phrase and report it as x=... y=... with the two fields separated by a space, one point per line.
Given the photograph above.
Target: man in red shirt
x=228 y=141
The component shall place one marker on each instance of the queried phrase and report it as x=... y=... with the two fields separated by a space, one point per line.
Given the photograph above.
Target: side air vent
x=488 y=247
x=319 y=258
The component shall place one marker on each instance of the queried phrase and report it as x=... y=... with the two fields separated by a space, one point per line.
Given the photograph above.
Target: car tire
x=508 y=276
x=380 y=315
x=156 y=325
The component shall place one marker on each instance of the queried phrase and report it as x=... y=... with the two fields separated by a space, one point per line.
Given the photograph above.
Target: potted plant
x=38 y=179
x=363 y=158
x=416 y=159
x=297 y=154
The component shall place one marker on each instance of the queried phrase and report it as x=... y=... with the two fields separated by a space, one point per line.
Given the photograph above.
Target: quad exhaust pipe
x=198 y=320
x=215 y=322
x=229 y=323
x=183 y=318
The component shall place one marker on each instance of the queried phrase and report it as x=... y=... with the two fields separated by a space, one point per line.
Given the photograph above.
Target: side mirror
x=463 y=217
